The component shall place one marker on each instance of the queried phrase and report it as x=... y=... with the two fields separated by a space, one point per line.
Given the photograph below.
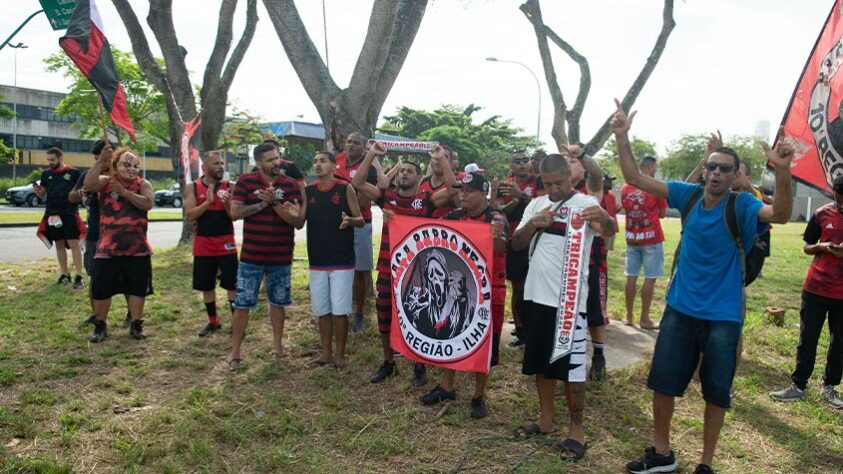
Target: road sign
x=58 y=12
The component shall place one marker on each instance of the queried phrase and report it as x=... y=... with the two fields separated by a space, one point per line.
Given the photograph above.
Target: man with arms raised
x=332 y=214
x=122 y=263
x=265 y=201
x=348 y=165
x=405 y=199
x=207 y=202
x=705 y=301
x=545 y=227
x=474 y=206
x=61 y=224
x=644 y=243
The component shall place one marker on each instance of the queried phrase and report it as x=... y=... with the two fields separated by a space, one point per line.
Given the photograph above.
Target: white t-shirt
x=544 y=278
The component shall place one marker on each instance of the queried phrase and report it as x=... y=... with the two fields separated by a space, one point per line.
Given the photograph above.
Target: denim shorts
x=363 y=248
x=682 y=341
x=249 y=277
x=650 y=256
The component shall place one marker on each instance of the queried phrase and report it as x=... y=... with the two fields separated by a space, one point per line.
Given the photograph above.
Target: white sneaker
x=832 y=396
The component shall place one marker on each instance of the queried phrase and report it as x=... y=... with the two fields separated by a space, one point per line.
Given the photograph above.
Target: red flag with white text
x=813 y=121
x=442 y=292
x=86 y=45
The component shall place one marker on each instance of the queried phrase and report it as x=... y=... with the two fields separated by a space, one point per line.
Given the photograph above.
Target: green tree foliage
x=240 y=130
x=608 y=157
x=300 y=154
x=487 y=143
x=7 y=154
x=684 y=154
x=145 y=104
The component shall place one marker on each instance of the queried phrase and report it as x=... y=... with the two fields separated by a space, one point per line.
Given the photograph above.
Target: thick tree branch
x=632 y=94
x=242 y=45
x=140 y=46
x=222 y=44
x=303 y=56
x=575 y=113
x=532 y=10
x=160 y=20
x=405 y=25
x=375 y=49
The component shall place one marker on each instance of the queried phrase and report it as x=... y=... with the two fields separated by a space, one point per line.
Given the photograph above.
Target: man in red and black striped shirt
x=267 y=201
x=406 y=199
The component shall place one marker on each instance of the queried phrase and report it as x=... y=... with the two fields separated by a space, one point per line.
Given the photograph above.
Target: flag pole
x=104 y=127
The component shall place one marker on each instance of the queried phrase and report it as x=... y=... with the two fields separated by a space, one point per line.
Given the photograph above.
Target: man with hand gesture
x=706 y=300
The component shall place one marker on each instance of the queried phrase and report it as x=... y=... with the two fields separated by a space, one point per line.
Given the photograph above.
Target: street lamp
x=15 y=118
x=538 y=88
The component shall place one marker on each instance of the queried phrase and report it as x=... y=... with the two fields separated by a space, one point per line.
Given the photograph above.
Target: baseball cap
x=474 y=181
x=837 y=185
x=473 y=168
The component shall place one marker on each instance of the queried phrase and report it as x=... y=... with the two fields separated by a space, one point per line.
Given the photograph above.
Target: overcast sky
x=727 y=65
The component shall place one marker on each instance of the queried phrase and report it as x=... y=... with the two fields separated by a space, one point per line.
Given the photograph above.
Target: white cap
x=473 y=168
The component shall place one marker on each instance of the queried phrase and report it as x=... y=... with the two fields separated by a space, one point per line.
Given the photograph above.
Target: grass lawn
x=168 y=405
x=34 y=217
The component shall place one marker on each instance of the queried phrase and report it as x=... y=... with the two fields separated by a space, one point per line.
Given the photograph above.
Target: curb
x=29 y=224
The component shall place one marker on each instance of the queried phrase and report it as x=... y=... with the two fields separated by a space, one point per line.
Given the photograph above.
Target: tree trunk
x=393 y=25
x=174 y=81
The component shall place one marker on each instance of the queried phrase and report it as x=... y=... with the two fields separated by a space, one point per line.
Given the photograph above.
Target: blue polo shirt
x=707 y=284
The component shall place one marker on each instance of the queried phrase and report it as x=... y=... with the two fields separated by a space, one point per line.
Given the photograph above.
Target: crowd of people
x=531 y=213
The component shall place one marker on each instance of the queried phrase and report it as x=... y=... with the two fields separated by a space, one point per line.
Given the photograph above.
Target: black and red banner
x=86 y=45
x=813 y=121
x=442 y=292
x=189 y=146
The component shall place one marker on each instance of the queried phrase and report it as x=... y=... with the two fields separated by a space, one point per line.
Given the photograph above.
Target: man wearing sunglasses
x=705 y=301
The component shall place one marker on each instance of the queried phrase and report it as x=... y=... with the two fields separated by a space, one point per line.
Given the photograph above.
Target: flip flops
x=233 y=364
x=529 y=431
x=572 y=450
x=316 y=363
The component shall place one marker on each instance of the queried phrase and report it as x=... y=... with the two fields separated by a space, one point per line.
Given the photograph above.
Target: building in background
x=39 y=128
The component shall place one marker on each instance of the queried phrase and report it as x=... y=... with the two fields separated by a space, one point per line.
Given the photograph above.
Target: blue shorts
x=363 y=248
x=682 y=340
x=249 y=278
x=650 y=256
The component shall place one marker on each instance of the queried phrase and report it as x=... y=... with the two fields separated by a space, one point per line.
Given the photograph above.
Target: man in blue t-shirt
x=705 y=302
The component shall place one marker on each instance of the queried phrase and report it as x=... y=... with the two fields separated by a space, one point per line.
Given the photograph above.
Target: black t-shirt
x=93 y=205
x=59 y=183
x=328 y=247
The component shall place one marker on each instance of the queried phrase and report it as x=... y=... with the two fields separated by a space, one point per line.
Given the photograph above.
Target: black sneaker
x=419 y=376
x=78 y=282
x=100 y=331
x=652 y=462
x=437 y=395
x=209 y=328
x=91 y=319
x=64 y=279
x=136 y=330
x=515 y=343
x=386 y=370
x=598 y=368
x=478 y=408
x=703 y=469
x=128 y=320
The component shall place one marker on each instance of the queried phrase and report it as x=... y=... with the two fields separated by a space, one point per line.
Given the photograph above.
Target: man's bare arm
x=631 y=173
x=239 y=210
x=780 y=156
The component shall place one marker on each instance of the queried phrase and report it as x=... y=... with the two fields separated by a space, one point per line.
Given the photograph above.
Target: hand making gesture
x=291 y=209
x=621 y=123
x=782 y=154
x=377 y=149
x=437 y=153
x=346 y=221
x=543 y=218
x=266 y=195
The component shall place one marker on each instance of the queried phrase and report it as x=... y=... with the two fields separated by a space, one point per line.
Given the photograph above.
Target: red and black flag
x=87 y=47
x=813 y=121
x=190 y=137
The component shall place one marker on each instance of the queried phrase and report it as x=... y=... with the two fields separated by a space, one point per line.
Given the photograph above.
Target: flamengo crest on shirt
x=442 y=292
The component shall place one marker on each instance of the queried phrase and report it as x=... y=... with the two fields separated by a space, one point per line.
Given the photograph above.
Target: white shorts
x=330 y=292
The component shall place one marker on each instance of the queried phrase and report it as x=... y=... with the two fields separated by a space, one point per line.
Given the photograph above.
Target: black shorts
x=88 y=257
x=126 y=275
x=595 y=307
x=206 y=270
x=496 y=350
x=69 y=229
x=539 y=346
x=517 y=263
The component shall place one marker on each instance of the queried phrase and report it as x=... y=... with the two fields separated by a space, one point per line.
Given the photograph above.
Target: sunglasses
x=724 y=167
x=521 y=161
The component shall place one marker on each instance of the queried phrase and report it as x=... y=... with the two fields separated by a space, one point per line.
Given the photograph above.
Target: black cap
x=474 y=181
x=837 y=184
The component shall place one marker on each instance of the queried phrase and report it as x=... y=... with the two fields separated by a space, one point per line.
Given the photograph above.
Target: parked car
x=23 y=195
x=169 y=197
